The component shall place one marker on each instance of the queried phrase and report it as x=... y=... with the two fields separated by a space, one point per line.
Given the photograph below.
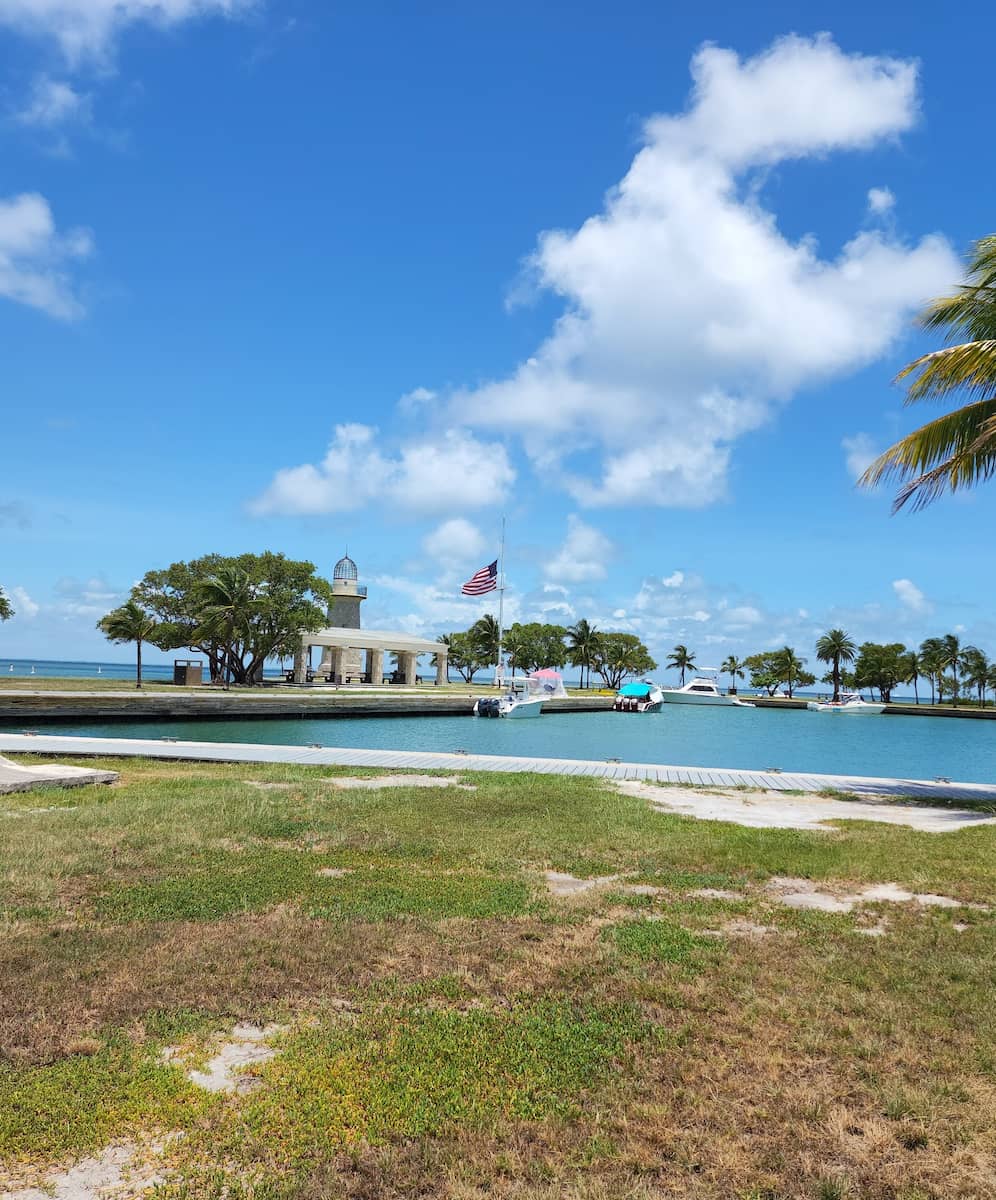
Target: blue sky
x=292 y=275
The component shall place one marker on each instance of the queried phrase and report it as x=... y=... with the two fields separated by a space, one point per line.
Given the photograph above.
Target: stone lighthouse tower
x=344 y=613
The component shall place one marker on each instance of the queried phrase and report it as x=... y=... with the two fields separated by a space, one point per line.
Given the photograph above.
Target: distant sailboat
x=11 y=667
x=32 y=670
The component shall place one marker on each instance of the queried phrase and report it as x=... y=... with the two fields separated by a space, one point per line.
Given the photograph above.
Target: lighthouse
x=344 y=613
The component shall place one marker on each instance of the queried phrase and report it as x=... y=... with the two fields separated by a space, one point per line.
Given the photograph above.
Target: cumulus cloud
x=880 y=200
x=454 y=543
x=448 y=472
x=53 y=103
x=34 y=257
x=24 y=606
x=583 y=554
x=88 y=29
x=674 y=580
x=859 y=453
x=688 y=316
x=910 y=596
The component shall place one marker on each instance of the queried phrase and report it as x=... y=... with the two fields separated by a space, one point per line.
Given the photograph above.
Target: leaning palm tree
x=912 y=667
x=957 y=450
x=835 y=647
x=734 y=667
x=680 y=659
x=931 y=652
x=129 y=623
x=582 y=645
x=6 y=608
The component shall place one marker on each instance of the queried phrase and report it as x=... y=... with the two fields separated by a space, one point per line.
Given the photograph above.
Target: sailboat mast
x=499 y=674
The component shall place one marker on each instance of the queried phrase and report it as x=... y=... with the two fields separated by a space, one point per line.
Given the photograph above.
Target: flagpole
x=499 y=674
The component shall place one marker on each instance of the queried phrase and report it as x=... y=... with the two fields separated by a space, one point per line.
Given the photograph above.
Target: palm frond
x=953 y=452
x=969 y=367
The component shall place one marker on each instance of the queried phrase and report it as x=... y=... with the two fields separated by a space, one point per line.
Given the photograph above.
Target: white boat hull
x=520 y=709
x=674 y=696
x=861 y=709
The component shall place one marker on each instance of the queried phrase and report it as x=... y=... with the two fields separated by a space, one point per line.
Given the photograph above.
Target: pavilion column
x=442 y=663
x=336 y=656
x=375 y=666
x=301 y=664
x=409 y=661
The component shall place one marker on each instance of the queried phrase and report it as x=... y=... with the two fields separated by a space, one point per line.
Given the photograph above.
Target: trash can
x=188 y=671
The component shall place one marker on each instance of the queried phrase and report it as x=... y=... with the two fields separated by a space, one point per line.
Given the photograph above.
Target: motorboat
x=524 y=697
x=702 y=690
x=849 y=702
x=641 y=697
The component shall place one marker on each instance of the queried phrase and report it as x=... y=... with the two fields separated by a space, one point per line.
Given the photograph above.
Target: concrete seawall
x=40 y=707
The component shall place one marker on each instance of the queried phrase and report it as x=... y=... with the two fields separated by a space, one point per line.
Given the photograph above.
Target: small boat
x=515 y=703
x=850 y=703
x=702 y=691
x=639 y=698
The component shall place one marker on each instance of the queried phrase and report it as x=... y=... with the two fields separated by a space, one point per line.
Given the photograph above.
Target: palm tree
x=835 y=647
x=952 y=658
x=680 y=660
x=977 y=668
x=959 y=449
x=129 y=623
x=912 y=666
x=991 y=678
x=790 y=667
x=227 y=600
x=931 y=652
x=6 y=608
x=582 y=645
x=485 y=632
x=734 y=667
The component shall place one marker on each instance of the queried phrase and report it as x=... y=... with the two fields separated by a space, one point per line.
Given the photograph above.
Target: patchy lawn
x=440 y=1023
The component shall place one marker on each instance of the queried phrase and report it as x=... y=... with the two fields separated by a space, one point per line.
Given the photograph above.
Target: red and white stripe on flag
x=485 y=580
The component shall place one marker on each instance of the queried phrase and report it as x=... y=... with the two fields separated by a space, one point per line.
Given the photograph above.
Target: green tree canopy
x=880 y=666
x=130 y=623
x=583 y=641
x=620 y=654
x=467 y=656
x=279 y=600
x=536 y=645
x=6 y=608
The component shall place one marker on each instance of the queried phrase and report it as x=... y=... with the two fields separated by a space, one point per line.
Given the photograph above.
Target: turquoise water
x=748 y=738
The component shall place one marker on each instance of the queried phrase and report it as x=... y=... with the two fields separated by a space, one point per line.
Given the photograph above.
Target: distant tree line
x=951 y=669
x=535 y=645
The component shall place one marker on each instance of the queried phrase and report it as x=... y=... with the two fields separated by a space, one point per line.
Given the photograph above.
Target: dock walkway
x=777 y=781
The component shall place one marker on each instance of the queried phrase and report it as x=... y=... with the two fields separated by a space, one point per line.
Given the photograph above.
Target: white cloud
x=53 y=102
x=859 y=453
x=448 y=472
x=743 y=616
x=674 y=580
x=33 y=256
x=689 y=317
x=411 y=403
x=24 y=606
x=88 y=29
x=582 y=556
x=455 y=543
x=910 y=596
x=880 y=200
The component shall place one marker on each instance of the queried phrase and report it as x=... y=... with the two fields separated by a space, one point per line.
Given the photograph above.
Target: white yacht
x=850 y=703
x=702 y=690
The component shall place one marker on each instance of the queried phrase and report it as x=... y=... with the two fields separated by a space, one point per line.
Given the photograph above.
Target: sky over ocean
x=292 y=275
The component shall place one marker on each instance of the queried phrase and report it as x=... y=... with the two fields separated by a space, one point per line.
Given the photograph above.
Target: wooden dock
x=183 y=751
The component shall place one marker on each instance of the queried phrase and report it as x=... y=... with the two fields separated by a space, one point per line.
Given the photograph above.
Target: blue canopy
x=635 y=689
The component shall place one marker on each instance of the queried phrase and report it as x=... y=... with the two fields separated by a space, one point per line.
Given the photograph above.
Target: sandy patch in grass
x=372 y=783
x=779 y=810
x=803 y=893
x=560 y=883
x=120 y=1172
x=247 y=1045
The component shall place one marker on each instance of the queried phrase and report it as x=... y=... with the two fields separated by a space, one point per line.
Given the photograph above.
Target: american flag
x=486 y=580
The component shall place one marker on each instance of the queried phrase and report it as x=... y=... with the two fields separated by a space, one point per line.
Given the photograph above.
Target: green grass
x=453 y=1029
x=80 y=1103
